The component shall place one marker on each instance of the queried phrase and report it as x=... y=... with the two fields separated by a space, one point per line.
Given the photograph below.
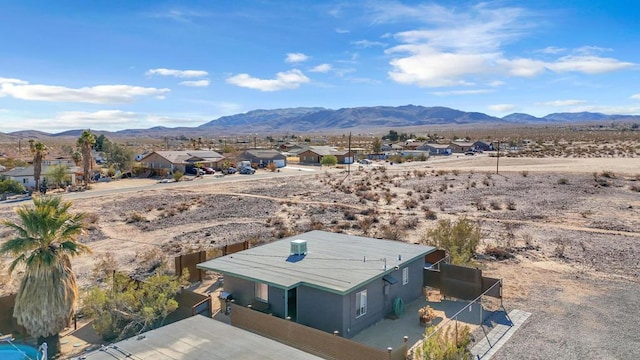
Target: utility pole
x=349 y=156
x=498 y=157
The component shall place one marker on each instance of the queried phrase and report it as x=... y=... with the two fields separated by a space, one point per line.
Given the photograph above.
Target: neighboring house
x=483 y=146
x=436 y=149
x=314 y=155
x=297 y=149
x=391 y=147
x=460 y=146
x=180 y=160
x=412 y=145
x=327 y=281
x=414 y=153
x=264 y=157
x=24 y=175
x=58 y=161
x=197 y=338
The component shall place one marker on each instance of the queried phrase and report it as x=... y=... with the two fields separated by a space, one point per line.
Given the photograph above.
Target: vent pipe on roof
x=298 y=247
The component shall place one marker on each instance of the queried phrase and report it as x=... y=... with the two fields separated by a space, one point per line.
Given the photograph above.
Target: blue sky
x=111 y=65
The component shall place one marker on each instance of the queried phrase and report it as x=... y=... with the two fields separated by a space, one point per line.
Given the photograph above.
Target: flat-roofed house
x=327 y=281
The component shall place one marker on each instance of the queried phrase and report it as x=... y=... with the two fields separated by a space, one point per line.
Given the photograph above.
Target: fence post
x=389 y=350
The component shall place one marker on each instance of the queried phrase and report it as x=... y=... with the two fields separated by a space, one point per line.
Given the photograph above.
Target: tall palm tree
x=44 y=242
x=85 y=142
x=39 y=151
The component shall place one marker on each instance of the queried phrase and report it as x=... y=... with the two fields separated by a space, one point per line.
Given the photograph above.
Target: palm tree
x=85 y=142
x=44 y=242
x=39 y=151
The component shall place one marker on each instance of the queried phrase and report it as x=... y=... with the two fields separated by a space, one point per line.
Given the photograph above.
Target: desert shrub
x=11 y=186
x=479 y=204
x=90 y=220
x=329 y=160
x=388 y=198
x=524 y=173
x=608 y=174
x=560 y=248
x=370 y=195
x=365 y=224
x=272 y=167
x=563 y=181
x=498 y=252
x=495 y=205
x=349 y=215
x=511 y=205
x=177 y=175
x=392 y=232
x=441 y=172
x=135 y=217
x=316 y=225
x=459 y=239
x=635 y=188
x=455 y=172
x=486 y=182
x=447 y=344
x=410 y=203
x=411 y=223
x=104 y=267
x=428 y=213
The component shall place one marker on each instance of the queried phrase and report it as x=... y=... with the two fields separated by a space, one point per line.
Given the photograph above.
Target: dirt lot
x=574 y=234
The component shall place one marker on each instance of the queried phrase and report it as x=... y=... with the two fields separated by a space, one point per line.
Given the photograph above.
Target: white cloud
x=588 y=64
x=502 y=107
x=569 y=102
x=496 y=83
x=101 y=94
x=177 y=73
x=462 y=92
x=460 y=47
x=296 y=57
x=342 y=31
x=196 y=83
x=429 y=67
x=522 y=67
x=322 y=68
x=291 y=79
x=183 y=16
x=551 y=50
x=635 y=96
x=367 y=43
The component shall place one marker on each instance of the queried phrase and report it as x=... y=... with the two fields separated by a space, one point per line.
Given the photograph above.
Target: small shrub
x=410 y=203
x=511 y=205
x=272 y=167
x=495 y=205
x=411 y=223
x=524 y=173
x=177 y=175
x=563 y=181
x=498 y=253
x=135 y=217
x=608 y=174
x=428 y=213
x=635 y=188
x=349 y=215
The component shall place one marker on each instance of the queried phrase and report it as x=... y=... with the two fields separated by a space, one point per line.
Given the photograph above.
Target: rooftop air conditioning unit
x=298 y=247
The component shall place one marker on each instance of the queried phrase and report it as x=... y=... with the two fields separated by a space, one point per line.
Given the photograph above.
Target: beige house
x=171 y=161
x=24 y=175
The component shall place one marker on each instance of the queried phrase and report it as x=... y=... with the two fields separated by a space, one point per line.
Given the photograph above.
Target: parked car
x=195 y=171
x=247 y=170
x=208 y=170
x=470 y=152
x=230 y=170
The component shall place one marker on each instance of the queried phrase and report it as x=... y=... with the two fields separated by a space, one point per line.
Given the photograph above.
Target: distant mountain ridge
x=317 y=119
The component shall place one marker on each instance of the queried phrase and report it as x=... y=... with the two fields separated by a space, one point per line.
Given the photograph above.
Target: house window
x=262 y=292
x=361 y=303
x=405 y=276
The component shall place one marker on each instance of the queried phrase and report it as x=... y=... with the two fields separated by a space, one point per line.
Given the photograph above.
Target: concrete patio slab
x=499 y=335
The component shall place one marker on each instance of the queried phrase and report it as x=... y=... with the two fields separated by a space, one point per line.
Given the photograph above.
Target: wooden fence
x=189 y=261
x=313 y=341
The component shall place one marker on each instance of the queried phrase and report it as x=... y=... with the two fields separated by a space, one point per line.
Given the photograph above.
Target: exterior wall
x=309 y=157
x=27 y=181
x=243 y=292
x=155 y=161
x=320 y=309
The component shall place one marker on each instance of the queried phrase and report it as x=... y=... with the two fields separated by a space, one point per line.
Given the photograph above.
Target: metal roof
x=197 y=338
x=338 y=263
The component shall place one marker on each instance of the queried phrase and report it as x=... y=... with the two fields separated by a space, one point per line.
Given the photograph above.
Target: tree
x=329 y=160
x=459 y=239
x=11 y=186
x=118 y=156
x=85 y=142
x=128 y=307
x=392 y=136
x=39 y=151
x=100 y=142
x=76 y=156
x=58 y=174
x=44 y=242
x=376 y=146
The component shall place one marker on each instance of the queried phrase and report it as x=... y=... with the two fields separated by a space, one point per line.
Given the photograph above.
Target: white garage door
x=279 y=163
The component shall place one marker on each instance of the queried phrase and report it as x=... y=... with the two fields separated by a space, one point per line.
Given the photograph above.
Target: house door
x=292 y=304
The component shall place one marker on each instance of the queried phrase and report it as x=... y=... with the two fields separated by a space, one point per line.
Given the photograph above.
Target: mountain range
x=316 y=119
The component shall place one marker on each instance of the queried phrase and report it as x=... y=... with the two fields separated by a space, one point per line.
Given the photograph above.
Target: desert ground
x=571 y=224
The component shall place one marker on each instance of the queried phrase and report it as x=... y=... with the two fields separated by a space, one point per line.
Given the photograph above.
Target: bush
x=459 y=239
x=177 y=175
x=511 y=205
x=447 y=344
x=524 y=173
x=495 y=205
x=11 y=186
x=272 y=167
x=329 y=160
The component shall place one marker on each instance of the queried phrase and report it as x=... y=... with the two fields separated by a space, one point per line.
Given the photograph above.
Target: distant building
x=264 y=157
x=179 y=160
x=25 y=176
x=436 y=149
